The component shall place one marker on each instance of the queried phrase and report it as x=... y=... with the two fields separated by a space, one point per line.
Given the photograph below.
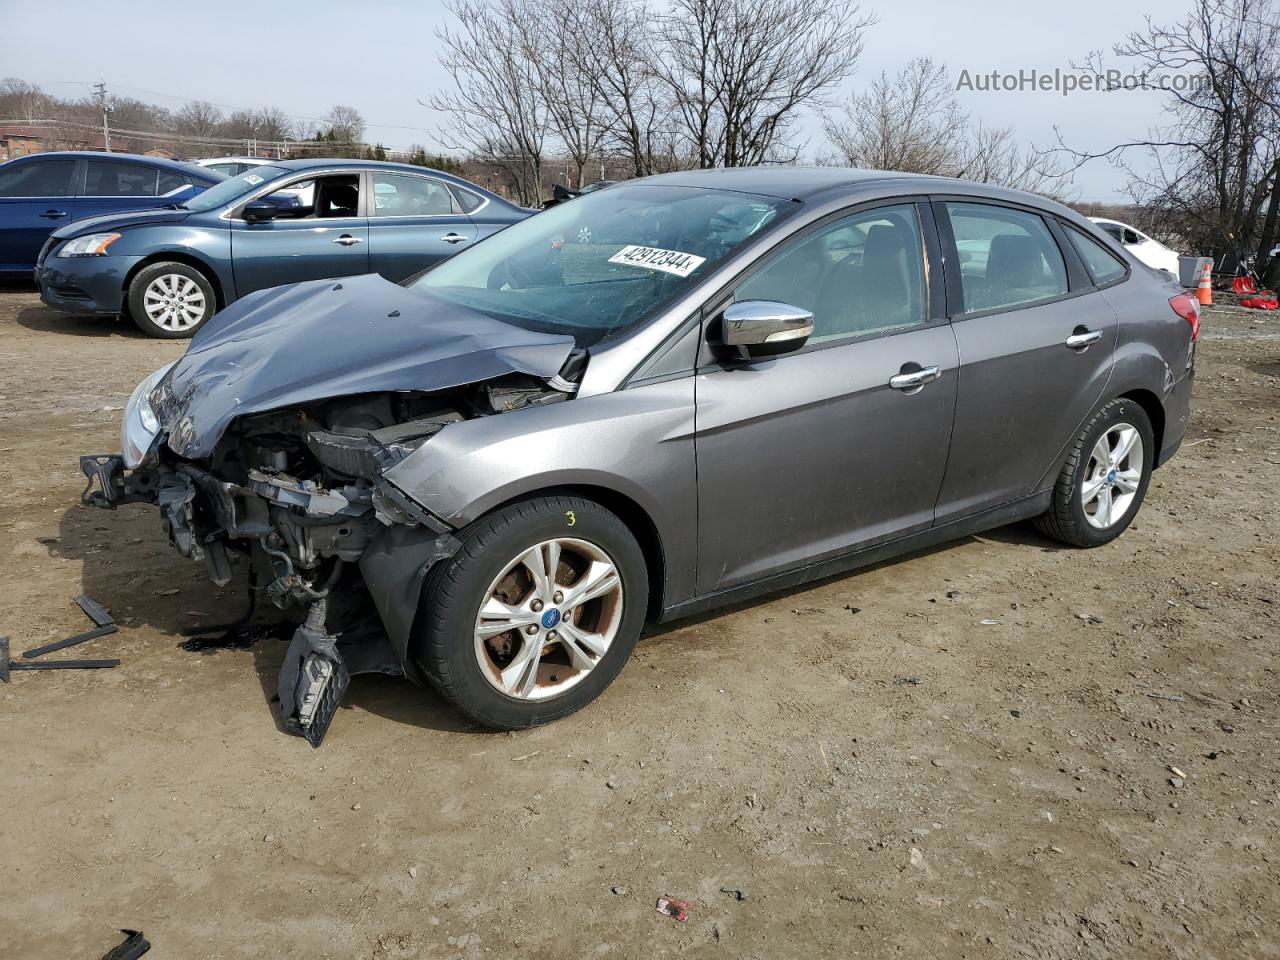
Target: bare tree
x=198 y=118
x=273 y=124
x=740 y=71
x=914 y=123
x=497 y=111
x=617 y=46
x=23 y=101
x=1211 y=170
x=909 y=123
x=346 y=125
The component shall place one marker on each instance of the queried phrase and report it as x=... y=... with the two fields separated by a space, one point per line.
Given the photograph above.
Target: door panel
x=415 y=223
x=35 y=200
x=1023 y=392
x=814 y=454
x=289 y=251
x=809 y=456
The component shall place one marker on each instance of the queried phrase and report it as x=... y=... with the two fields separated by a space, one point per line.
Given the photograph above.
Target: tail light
x=1187 y=307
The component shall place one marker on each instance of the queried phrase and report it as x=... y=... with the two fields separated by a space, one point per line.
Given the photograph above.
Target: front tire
x=171 y=300
x=1105 y=477
x=535 y=614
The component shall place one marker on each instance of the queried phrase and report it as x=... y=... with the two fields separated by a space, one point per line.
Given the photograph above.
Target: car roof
x=257 y=161
x=317 y=163
x=164 y=162
x=804 y=183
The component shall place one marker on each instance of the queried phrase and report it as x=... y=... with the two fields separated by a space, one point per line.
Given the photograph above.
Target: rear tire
x=559 y=654
x=171 y=300
x=1105 y=477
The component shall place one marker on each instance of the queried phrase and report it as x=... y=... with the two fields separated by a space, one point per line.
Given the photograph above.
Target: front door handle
x=914 y=380
x=347 y=240
x=1083 y=339
x=53 y=214
x=454 y=238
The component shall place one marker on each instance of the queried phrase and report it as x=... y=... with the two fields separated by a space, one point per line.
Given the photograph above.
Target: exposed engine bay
x=300 y=494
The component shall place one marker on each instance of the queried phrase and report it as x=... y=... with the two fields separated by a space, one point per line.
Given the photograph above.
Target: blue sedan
x=45 y=191
x=293 y=220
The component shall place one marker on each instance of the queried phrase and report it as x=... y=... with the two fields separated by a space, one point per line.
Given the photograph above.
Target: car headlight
x=140 y=426
x=90 y=245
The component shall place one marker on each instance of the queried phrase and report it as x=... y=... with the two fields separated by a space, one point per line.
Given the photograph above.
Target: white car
x=1150 y=252
x=234 y=166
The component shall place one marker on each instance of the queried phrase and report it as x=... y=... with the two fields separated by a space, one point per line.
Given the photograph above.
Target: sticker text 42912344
x=655 y=258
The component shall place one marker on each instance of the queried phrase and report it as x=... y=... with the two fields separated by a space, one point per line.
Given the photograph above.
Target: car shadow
x=129 y=567
x=42 y=319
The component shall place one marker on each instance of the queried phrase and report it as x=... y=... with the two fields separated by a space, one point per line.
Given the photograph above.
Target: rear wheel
x=1105 y=478
x=536 y=613
x=171 y=300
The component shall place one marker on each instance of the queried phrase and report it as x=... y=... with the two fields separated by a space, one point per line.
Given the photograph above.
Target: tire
x=1076 y=518
x=180 y=297
x=481 y=669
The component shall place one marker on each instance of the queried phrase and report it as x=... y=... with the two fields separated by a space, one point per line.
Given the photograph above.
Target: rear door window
x=115 y=178
x=1104 y=265
x=38 y=178
x=397 y=195
x=1007 y=256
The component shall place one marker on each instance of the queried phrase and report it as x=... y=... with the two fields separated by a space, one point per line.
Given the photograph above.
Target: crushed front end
x=253 y=460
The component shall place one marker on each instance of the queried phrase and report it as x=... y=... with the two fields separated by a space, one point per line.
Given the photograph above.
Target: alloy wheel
x=174 y=302
x=1112 y=476
x=548 y=619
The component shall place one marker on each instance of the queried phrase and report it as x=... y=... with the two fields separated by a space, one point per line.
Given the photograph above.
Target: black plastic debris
x=7 y=665
x=103 y=631
x=134 y=946
x=238 y=638
x=94 y=610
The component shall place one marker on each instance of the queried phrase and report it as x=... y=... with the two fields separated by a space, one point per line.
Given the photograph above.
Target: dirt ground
x=877 y=770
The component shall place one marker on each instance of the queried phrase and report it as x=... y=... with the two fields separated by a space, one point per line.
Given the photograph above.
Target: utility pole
x=100 y=92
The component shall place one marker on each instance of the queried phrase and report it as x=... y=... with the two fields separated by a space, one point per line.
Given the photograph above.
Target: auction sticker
x=654 y=258
x=253 y=178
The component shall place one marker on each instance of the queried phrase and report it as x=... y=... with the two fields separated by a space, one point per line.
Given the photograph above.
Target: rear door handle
x=53 y=214
x=915 y=380
x=454 y=238
x=1084 y=340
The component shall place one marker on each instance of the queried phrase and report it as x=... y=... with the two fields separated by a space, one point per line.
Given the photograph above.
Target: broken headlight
x=140 y=426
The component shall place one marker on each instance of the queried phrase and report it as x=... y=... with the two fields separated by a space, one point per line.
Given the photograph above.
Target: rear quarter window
x=1104 y=266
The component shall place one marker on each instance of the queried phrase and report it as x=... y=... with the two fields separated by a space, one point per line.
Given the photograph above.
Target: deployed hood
x=333 y=338
x=114 y=221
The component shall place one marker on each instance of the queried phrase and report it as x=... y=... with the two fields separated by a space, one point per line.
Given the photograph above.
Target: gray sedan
x=666 y=396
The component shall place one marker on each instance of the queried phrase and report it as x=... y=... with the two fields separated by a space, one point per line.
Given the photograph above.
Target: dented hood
x=332 y=338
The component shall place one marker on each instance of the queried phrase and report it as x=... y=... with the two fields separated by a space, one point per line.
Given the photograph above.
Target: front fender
x=635 y=443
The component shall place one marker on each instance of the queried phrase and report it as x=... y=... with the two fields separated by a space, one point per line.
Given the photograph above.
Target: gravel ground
x=860 y=768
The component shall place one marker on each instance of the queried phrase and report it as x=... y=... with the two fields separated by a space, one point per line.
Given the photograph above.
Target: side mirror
x=765 y=328
x=259 y=211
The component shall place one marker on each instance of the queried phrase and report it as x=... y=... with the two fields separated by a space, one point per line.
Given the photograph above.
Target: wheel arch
x=1154 y=410
x=178 y=256
x=631 y=513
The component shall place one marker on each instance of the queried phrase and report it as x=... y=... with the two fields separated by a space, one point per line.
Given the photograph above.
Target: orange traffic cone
x=1204 y=292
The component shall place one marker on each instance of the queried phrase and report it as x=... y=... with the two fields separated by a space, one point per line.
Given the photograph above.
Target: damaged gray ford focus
x=653 y=400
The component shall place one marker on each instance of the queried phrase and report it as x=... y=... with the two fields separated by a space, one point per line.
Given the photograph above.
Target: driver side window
x=863 y=274
x=320 y=198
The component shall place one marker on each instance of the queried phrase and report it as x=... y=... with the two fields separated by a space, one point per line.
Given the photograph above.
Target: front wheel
x=171 y=300
x=1105 y=478
x=535 y=614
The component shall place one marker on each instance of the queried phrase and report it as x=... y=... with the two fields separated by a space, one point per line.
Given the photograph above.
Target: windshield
x=602 y=262
x=228 y=190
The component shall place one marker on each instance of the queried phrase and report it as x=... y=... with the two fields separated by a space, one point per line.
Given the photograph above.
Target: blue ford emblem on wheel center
x=551 y=618
x=1111 y=477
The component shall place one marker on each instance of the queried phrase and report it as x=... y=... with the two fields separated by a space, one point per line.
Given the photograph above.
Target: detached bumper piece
x=312 y=679
x=109 y=486
x=134 y=946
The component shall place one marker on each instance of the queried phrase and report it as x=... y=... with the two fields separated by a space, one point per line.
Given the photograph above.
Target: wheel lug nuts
x=559 y=597
x=536 y=605
x=551 y=635
x=567 y=616
x=531 y=629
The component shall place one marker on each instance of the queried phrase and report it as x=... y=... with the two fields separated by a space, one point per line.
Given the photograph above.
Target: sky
x=380 y=56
